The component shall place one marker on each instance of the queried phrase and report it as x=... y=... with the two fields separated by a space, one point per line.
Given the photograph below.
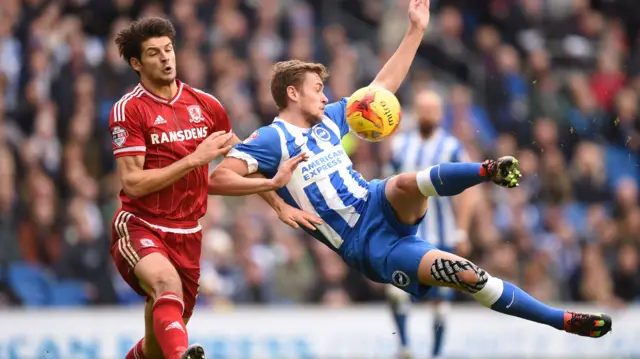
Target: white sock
x=423 y=178
x=491 y=292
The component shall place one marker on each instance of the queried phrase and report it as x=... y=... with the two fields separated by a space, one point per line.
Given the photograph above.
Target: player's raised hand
x=212 y=147
x=419 y=14
x=294 y=217
x=286 y=170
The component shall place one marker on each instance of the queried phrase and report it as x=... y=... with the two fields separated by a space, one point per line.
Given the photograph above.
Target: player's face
x=158 y=60
x=428 y=108
x=312 y=98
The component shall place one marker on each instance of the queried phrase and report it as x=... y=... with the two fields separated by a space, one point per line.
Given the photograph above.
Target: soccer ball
x=373 y=114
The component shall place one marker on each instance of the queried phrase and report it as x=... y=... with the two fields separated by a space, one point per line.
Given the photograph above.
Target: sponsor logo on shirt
x=179 y=136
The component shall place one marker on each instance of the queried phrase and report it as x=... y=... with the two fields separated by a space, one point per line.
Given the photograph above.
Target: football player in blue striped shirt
x=300 y=163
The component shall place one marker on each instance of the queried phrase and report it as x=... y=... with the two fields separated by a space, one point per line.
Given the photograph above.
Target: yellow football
x=373 y=113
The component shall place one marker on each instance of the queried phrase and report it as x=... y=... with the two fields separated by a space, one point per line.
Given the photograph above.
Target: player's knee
x=406 y=183
x=158 y=276
x=459 y=273
x=162 y=284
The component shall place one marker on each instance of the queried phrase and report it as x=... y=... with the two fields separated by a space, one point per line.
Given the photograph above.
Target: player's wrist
x=415 y=31
x=193 y=161
x=272 y=184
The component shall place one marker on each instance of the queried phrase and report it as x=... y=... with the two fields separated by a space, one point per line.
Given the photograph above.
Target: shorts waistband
x=191 y=227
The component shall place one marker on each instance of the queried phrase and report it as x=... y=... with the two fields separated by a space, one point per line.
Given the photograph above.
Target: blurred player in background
x=447 y=222
x=373 y=225
x=165 y=134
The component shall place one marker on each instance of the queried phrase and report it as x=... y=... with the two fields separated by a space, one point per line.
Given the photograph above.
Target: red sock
x=169 y=326
x=136 y=352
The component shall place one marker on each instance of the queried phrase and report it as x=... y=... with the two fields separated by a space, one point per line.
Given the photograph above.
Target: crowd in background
x=554 y=82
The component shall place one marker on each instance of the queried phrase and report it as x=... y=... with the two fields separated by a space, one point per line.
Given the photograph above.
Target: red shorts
x=133 y=238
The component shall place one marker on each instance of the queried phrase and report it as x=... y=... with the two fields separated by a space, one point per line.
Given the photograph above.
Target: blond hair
x=291 y=73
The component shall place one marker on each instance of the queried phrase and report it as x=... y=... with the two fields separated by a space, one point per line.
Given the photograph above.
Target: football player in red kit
x=165 y=134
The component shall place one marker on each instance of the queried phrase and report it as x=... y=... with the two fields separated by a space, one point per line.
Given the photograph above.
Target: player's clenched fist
x=212 y=147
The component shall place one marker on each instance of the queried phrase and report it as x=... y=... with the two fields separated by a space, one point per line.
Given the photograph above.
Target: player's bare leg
x=165 y=328
x=438 y=268
x=408 y=192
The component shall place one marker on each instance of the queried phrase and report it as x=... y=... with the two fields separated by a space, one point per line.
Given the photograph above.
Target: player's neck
x=166 y=92
x=293 y=118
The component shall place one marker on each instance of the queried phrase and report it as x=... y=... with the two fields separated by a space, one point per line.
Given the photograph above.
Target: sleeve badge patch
x=119 y=136
x=251 y=137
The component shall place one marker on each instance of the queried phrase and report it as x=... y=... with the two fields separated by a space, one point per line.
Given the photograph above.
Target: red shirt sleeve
x=126 y=127
x=217 y=111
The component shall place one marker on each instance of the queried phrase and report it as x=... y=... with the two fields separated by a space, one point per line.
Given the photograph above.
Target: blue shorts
x=385 y=250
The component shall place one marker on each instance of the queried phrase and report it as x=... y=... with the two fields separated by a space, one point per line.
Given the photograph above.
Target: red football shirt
x=165 y=131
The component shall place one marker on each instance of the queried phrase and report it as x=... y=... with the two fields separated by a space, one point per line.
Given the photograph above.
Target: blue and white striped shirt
x=326 y=184
x=411 y=153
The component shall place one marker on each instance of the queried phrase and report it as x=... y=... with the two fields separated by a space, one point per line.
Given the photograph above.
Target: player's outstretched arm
x=138 y=182
x=397 y=67
x=230 y=177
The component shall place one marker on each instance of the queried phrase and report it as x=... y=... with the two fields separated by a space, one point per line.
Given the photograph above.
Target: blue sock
x=514 y=301
x=399 y=311
x=438 y=336
x=449 y=179
x=401 y=324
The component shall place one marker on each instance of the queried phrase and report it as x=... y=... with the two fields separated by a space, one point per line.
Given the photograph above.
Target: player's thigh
x=141 y=257
x=152 y=348
x=444 y=269
x=408 y=203
x=402 y=265
x=157 y=275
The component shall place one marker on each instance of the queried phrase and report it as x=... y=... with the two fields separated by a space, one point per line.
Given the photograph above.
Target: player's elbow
x=383 y=84
x=217 y=182
x=131 y=188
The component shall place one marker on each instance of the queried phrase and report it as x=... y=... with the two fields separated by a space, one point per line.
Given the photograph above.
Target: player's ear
x=135 y=64
x=292 y=93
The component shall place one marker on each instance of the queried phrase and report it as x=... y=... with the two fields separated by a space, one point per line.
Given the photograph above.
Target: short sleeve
x=337 y=113
x=261 y=151
x=217 y=111
x=126 y=127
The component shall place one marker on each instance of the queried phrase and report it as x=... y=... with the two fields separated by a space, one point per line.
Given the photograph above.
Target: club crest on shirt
x=195 y=114
x=322 y=134
x=251 y=137
x=400 y=279
x=119 y=136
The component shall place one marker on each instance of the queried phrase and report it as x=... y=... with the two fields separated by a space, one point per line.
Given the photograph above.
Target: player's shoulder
x=126 y=107
x=268 y=133
x=131 y=98
x=265 y=138
x=202 y=95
